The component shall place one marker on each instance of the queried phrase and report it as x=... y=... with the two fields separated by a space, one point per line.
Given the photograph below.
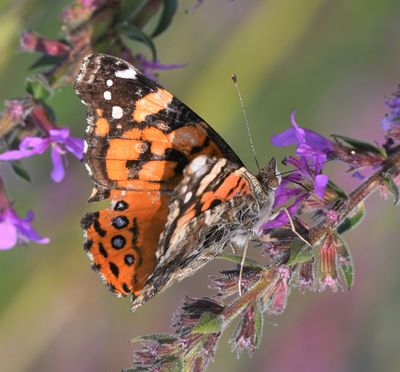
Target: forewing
x=139 y=136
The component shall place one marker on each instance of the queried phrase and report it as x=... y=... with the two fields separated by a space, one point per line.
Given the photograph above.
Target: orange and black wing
x=139 y=138
x=210 y=207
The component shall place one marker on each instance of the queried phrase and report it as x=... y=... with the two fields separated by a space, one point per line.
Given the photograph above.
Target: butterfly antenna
x=235 y=82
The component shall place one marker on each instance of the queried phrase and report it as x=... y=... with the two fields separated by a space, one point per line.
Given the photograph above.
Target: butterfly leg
x=293 y=228
x=241 y=267
x=233 y=248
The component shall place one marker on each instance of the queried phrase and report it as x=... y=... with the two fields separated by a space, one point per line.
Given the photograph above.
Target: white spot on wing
x=197 y=165
x=107 y=95
x=187 y=197
x=117 y=112
x=85 y=147
x=109 y=83
x=126 y=74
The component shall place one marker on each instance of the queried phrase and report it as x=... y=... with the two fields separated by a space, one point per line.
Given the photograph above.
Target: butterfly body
x=178 y=192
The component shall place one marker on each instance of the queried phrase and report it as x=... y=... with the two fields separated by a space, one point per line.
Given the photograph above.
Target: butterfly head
x=269 y=176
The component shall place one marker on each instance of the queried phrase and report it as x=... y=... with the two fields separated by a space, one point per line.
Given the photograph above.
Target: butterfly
x=178 y=193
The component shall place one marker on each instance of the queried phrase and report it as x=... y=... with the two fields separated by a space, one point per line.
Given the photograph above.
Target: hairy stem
x=266 y=283
x=390 y=166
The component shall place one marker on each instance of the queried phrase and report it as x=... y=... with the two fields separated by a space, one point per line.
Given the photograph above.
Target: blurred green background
x=333 y=62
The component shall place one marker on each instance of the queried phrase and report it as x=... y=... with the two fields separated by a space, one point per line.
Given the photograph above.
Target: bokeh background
x=333 y=62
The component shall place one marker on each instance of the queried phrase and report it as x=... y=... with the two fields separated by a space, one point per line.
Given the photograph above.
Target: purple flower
x=14 y=229
x=393 y=118
x=246 y=335
x=391 y=122
x=277 y=302
x=310 y=144
x=313 y=151
x=306 y=173
x=282 y=218
x=60 y=141
x=31 y=42
x=328 y=265
x=148 y=67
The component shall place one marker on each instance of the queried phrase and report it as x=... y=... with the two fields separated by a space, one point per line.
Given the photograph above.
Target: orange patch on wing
x=154 y=134
x=243 y=187
x=226 y=188
x=233 y=185
x=189 y=215
x=207 y=199
x=143 y=185
x=102 y=127
x=134 y=133
x=125 y=149
x=155 y=170
x=116 y=169
x=151 y=104
x=126 y=269
x=99 y=112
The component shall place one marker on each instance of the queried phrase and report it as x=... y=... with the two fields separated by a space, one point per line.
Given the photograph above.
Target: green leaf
x=345 y=261
x=135 y=33
x=361 y=145
x=337 y=190
x=38 y=87
x=208 y=323
x=393 y=188
x=160 y=337
x=168 y=12
x=238 y=260
x=352 y=220
x=19 y=171
x=299 y=252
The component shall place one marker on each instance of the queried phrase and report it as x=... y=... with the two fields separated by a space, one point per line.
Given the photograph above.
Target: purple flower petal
x=320 y=184
x=8 y=235
x=27 y=232
x=318 y=142
x=283 y=193
x=306 y=140
x=75 y=146
x=29 y=146
x=386 y=124
x=58 y=171
x=39 y=144
x=59 y=135
x=281 y=218
x=286 y=138
x=302 y=166
x=14 y=229
x=299 y=132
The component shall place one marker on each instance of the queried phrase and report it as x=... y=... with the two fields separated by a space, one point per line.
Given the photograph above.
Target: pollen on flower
x=332 y=215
